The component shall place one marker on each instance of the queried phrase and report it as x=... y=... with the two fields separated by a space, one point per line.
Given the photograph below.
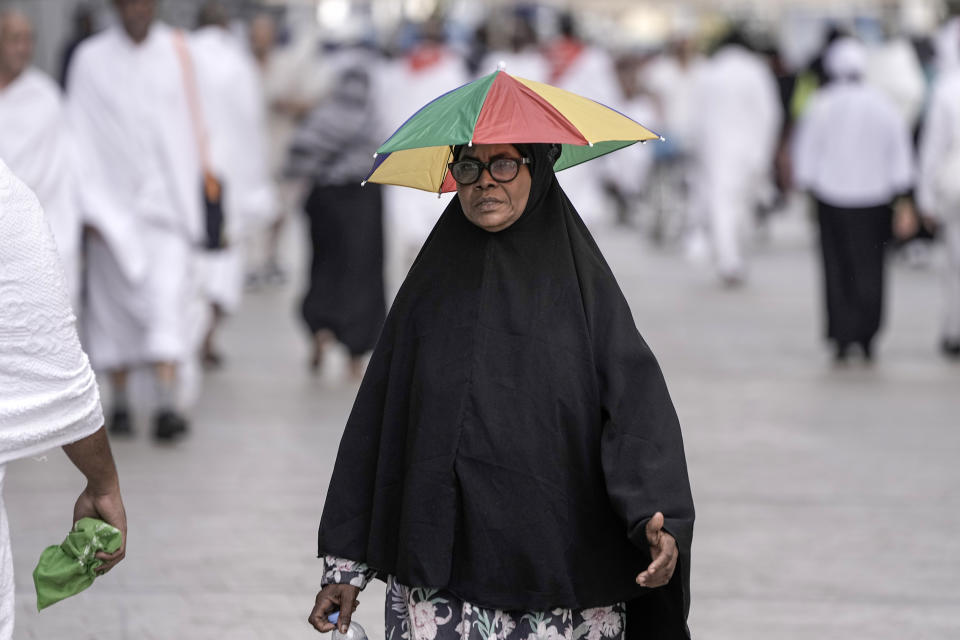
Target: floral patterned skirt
x=414 y=613
x=427 y=614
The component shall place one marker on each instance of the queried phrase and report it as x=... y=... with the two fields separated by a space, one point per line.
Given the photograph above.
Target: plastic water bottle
x=354 y=632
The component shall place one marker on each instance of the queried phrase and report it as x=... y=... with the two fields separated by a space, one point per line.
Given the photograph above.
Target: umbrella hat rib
x=449 y=119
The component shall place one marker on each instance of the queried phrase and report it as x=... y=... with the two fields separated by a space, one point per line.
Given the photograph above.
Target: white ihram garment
x=296 y=73
x=734 y=142
x=233 y=114
x=946 y=44
x=128 y=108
x=894 y=68
x=49 y=395
x=674 y=86
x=852 y=147
x=938 y=140
x=35 y=144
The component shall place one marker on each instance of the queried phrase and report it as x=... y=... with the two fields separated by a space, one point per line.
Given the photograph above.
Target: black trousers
x=853 y=244
x=346 y=294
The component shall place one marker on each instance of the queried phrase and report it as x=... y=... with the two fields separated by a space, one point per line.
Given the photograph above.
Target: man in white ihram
x=49 y=394
x=293 y=78
x=127 y=102
x=231 y=97
x=938 y=188
x=34 y=141
x=735 y=140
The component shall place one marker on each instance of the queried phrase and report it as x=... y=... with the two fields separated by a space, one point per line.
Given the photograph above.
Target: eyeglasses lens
x=504 y=169
x=466 y=171
x=501 y=170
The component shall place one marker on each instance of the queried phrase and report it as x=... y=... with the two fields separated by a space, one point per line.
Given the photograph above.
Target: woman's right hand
x=334 y=597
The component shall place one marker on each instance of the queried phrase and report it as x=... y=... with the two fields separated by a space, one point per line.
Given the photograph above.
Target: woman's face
x=492 y=205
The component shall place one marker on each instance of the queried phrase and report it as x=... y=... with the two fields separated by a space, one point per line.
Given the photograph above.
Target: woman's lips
x=487 y=204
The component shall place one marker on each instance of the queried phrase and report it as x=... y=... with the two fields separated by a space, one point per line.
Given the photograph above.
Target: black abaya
x=513 y=433
x=853 y=245
x=346 y=293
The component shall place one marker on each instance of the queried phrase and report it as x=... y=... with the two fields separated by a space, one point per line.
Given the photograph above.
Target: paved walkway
x=827 y=499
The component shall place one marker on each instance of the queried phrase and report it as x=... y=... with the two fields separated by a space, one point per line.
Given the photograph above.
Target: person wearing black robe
x=513 y=463
x=346 y=298
x=853 y=154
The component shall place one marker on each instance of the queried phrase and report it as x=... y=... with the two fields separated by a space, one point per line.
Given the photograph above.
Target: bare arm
x=101 y=497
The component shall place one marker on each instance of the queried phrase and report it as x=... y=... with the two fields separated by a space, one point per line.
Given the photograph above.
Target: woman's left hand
x=663 y=550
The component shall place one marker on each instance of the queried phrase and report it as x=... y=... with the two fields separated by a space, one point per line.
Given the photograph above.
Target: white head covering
x=846 y=58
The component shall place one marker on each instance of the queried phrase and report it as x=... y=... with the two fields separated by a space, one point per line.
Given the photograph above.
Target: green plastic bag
x=67 y=569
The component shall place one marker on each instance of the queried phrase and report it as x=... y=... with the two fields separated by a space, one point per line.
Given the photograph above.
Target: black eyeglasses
x=469 y=170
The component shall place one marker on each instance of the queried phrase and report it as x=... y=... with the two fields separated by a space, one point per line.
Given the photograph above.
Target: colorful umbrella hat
x=500 y=108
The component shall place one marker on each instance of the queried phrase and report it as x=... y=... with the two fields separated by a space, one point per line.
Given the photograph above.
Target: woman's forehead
x=487 y=151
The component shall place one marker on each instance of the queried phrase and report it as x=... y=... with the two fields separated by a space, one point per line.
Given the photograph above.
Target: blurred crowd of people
x=170 y=160
x=152 y=168
x=859 y=134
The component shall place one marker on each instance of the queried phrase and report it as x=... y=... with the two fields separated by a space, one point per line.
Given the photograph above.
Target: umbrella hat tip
x=502 y=65
x=662 y=139
x=363 y=183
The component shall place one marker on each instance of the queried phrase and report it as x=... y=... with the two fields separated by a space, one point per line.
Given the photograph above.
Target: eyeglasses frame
x=485 y=166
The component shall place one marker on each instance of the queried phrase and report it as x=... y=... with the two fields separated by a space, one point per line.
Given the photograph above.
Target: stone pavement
x=828 y=500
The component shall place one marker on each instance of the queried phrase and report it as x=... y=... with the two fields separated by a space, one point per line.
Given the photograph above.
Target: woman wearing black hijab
x=513 y=465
